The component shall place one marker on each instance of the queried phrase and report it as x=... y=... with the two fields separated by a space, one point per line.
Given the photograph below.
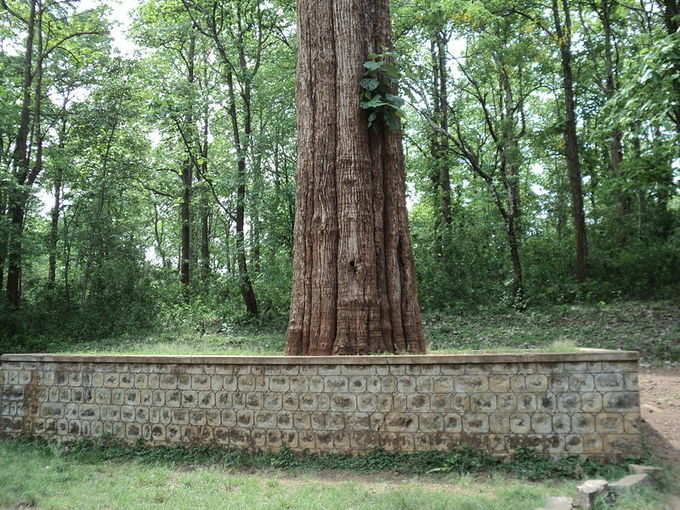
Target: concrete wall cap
x=582 y=355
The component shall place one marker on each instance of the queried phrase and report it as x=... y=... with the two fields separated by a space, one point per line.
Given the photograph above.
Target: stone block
x=336 y=384
x=189 y=399
x=472 y=383
x=291 y=402
x=520 y=423
x=475 y=423
x=406 y=384
x=536 y=383
x=541 y=423
x=558 y=503
x=609 y=382
x=506 y=402
x=453 y=422
x=588 y=492
x=629 y=482
x=499 y=424
x=254 y=401
x=424 y=384
x=418 y=402
x=206 y=399
x=401 y=422
x=367 y=402
x=591 y=402
x=582 y=423
x=621 y=401
x=581 y=382
x=200 y=382
x=573 y=443
x=284 y=421
x=526 y=402
x=483 y=402
x=569 y=402
x=639 y=469
x=431 y=422
x=499 y=383
x=343 y=402
x=609 y=423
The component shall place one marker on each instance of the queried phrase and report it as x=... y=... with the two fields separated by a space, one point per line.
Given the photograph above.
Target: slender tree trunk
x=614 y=146
x=354 y=287
x=158 y=237
x=511 y=163
x=185 y=220
x=443 y=160
x=3 y=239
x=441 y=179
x=245 y=284
x=187 y=176
x=205 y=202
x=54 y=229
x=56 y=210
x=570 y=139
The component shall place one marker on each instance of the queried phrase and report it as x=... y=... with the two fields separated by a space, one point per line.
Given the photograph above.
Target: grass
x=86 y=477
x=653 y=328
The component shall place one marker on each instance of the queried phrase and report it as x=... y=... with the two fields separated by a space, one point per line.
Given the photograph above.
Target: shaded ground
x=660 y=399
x=652 y=327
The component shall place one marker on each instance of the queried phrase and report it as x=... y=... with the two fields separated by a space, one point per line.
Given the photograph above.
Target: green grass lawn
x=43 y=477
x=653 y=328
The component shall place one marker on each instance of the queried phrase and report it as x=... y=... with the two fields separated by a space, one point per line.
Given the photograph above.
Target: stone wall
x=585 y=402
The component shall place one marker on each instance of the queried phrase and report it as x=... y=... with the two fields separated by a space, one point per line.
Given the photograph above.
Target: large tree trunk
x=671 y=18
x=571 y=140
x=354 y=286
x=17 y=199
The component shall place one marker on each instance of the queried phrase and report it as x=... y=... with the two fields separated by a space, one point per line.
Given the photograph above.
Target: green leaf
x=369 y=83
x=372 y=65
x=395 y=101
x=375 y=102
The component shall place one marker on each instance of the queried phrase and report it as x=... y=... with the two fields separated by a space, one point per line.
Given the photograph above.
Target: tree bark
x=57 y=187
x=245 y=285
x=17 y=199
x=440 y=176
x=185 y=221
x=187 y=174
x=563 y=34
x=671 y=18
x=511 y=162
x=354 y=286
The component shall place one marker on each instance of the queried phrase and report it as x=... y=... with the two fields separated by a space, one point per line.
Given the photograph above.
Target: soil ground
x=660 y=406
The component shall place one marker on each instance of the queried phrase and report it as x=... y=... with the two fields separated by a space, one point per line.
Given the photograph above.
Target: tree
x=563 y=34
x=354 y=287
x=48 y=27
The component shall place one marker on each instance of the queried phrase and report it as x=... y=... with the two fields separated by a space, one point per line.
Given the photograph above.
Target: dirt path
x=660 y=406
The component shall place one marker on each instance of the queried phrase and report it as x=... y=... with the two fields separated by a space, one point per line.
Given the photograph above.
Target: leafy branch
x=377 y=86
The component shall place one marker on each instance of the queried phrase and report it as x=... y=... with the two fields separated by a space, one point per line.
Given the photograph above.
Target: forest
x=153 y=186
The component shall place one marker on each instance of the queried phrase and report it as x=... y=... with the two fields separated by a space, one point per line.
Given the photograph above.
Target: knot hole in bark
x=353 y=265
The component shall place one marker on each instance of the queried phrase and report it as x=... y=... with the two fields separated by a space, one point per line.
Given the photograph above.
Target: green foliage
x=379 y=82
x=525 y=463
